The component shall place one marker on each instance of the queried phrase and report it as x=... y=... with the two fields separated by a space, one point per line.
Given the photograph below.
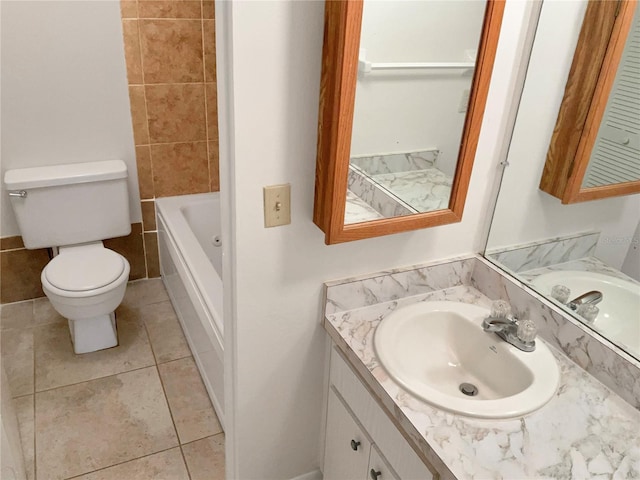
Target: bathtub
x=191 y=269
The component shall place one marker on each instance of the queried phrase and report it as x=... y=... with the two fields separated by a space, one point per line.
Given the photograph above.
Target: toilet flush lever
x=19 y=193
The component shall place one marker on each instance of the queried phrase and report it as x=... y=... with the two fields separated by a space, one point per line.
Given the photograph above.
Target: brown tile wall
x=171 y=69
x=21 y=268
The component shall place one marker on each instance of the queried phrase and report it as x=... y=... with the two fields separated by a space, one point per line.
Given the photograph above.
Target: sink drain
x=469 y=389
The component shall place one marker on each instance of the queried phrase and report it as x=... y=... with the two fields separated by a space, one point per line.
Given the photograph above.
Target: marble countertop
x=425 y=190
x=357 y=210
x=584 y=431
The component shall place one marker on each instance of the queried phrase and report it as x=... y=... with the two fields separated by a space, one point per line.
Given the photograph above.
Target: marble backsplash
x=375 y=196
x=603 y=360
x=425 y=190
x=396 y=162
x=546 y=252
x=366 y=290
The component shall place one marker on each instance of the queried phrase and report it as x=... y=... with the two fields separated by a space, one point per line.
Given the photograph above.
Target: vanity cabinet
x=361 y=442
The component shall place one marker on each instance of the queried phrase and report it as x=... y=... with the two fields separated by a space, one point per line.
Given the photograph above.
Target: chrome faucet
x=497 y=324
x=519 y=333
x=593 y=297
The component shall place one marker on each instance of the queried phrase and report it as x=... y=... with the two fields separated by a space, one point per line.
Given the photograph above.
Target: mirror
x=399 y=119
x=595 y=147
x=410 y=105
x=587 y=246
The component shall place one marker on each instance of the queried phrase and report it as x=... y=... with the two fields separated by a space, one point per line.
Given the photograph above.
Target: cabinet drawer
x=347 y=445
x=378 y=468
x=380 y=428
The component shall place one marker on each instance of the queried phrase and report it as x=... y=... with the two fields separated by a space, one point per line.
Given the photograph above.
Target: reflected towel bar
x=366 y=67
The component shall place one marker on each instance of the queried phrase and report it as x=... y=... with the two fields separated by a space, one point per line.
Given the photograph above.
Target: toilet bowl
x=85 y=284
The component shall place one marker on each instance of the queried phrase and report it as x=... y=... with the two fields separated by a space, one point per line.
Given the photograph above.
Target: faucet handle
x=561 y=293
x=500 y=309
x=527 y=331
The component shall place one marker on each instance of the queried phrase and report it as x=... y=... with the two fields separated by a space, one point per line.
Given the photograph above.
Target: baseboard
x=314 y=475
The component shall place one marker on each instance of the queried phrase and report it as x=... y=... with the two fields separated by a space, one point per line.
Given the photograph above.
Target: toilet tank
x=69 y=204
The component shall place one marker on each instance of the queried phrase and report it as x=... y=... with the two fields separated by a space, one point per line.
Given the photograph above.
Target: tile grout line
x=166 y=84
x=170 y=19
x=17 y=397
x=146 y=122
x=166 y=399
x=120 y=463
x=204 y=438
x=33 y=345
x=153 y=351
x=155 y=363
x=206 y=97
x=14 y=250
x=194 y=441
x=93 y=379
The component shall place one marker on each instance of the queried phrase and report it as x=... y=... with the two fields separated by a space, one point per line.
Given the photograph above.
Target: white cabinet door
x=347 y=447
x=379 y=469
x=404 y=461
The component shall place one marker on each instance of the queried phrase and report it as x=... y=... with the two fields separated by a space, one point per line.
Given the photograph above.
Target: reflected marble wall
x=546 y=252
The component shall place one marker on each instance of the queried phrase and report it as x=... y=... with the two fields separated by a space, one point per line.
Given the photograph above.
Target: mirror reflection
x=415 y=71
x=585 y=257
x=615 y=157
x=595 y=148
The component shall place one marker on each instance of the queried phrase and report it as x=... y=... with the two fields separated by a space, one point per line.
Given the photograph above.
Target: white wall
x=400 y=110
x=524 y=213
x=64 y=89
x=274 y=344
x=631 y=264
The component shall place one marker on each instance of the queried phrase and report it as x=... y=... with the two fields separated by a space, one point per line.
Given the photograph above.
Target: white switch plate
x=277 y=205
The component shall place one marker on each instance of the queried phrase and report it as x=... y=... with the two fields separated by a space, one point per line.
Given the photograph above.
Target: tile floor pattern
x=138 y=411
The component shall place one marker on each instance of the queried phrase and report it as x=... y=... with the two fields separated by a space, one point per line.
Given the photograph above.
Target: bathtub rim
x=201 y=269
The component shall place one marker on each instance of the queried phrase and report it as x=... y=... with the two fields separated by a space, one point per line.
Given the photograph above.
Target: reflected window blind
x=616 y=154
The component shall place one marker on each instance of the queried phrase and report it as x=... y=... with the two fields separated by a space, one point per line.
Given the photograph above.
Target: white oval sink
x=431 y=348
x=618 y=316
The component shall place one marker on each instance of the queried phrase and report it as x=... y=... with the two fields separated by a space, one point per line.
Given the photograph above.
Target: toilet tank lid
x=68 y=174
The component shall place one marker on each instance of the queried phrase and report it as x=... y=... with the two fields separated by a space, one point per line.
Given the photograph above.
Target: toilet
x=72 y=208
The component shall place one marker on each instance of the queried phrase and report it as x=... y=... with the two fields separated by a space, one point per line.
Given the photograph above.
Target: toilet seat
x=83 y=270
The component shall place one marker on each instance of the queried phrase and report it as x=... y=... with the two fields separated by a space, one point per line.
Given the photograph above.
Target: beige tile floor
x=138 y=411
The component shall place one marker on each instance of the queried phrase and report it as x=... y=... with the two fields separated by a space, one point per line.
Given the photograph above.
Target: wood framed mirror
x=340 y=73
x=595 y=148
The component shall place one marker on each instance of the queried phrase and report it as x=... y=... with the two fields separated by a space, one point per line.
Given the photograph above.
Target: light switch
x=277 y=205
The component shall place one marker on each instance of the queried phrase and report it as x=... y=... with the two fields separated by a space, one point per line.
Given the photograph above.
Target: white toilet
x=72 y=208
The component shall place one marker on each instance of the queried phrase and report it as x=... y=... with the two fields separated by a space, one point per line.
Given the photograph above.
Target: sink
x=432 y=348
x=618 y=316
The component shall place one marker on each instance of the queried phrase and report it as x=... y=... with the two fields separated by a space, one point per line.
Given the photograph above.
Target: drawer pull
x=354 y=445
x=374 y=475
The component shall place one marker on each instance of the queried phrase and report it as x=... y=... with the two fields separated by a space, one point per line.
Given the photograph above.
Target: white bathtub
x=191 y=267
